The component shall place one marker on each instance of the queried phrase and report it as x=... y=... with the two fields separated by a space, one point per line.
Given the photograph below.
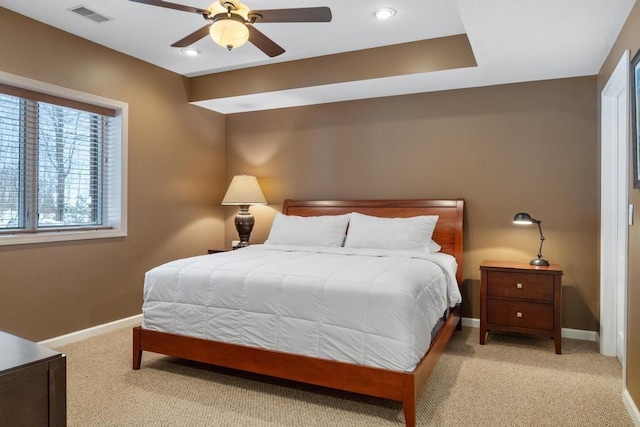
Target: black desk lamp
x=525 y=218
x=244 y=191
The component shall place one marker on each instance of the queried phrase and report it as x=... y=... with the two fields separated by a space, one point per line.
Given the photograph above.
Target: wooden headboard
x=448 y=231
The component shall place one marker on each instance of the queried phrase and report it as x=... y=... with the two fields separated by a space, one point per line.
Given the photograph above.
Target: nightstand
x=518 y=297
x=33 y=384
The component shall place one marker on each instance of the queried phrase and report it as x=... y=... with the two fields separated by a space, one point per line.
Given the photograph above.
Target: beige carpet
x=510 y=381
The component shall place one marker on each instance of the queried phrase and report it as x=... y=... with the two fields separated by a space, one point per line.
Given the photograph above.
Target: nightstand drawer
x=520 y=285
x=519 y=313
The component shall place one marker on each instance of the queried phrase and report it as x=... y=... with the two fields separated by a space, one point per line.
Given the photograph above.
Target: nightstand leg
x=557 y=340
x=483 y=335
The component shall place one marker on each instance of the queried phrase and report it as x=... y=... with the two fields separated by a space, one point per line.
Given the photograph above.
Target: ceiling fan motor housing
x=228 y=6
x=233 y=4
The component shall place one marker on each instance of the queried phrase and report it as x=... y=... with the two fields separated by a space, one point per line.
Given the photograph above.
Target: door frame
x=614 y=208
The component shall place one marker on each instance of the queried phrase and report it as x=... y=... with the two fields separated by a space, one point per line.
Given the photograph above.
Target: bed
x=401 y=380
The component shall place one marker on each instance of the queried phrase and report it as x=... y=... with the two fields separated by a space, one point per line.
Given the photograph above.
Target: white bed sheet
x=362 y=306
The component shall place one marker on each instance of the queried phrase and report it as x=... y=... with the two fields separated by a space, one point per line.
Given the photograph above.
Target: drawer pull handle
x=518 y=314
x=519 y=285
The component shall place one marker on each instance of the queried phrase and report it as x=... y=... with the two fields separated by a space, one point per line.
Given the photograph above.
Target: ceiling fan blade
x=193 y=37
x=264 y=43
x=175 y=6
x=303 y=14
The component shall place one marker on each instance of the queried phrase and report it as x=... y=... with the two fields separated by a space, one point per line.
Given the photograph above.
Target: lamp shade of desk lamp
x=526 y=219
x=244 y=191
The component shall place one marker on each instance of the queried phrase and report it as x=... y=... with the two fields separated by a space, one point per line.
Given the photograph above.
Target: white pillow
x=433 y=247
x=390 y=233
x=327 y=230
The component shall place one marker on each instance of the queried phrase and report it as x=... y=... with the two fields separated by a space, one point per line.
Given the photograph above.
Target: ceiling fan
x=231 y=23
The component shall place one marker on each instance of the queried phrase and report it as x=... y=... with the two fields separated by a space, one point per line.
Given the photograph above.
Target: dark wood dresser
x=517 y=297
x=33 y=384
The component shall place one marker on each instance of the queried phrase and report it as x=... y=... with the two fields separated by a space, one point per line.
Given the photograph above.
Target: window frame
x=117 y=228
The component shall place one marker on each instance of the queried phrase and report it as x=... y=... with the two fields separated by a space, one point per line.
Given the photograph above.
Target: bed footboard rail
x=344 y=376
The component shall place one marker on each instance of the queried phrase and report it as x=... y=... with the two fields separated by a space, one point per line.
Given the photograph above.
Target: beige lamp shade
x=244 y=190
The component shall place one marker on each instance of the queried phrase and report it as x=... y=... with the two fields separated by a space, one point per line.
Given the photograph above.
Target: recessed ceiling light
x=384 y=13
x=189 y=51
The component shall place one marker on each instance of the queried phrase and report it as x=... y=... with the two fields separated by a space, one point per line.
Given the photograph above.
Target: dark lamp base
x=541 y=262
x=244 y=224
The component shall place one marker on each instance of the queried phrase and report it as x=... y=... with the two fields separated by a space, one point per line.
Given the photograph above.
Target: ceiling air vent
x=89 y=14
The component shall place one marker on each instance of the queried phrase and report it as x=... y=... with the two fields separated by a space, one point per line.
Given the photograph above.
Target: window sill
x=58 y=236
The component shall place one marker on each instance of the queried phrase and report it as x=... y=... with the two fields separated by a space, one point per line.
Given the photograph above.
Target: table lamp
x=525 y=218
x=244 y=191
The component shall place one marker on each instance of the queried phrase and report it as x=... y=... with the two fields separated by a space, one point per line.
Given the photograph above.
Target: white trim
x=50 y=89
x=580 y=334
x=574 y=334
x=471 y=322
x=92 y=332
x=631 y=407
x=58 y=236
x=614 y=206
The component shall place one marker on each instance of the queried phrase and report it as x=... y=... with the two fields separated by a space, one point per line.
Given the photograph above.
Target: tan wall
x=176 y=182
x=524 y=147
x=629 y=38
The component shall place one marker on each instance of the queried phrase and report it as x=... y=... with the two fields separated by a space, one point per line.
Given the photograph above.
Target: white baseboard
x=579 y=334
x=470 y=322
x=631 y=407
x=574 y=334
x=92 y=332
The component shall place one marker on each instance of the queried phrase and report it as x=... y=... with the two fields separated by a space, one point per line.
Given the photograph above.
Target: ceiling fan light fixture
x=229 y=32
x=384 y=13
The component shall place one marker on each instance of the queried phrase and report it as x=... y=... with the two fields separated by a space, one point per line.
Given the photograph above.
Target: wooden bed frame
x=395 y=385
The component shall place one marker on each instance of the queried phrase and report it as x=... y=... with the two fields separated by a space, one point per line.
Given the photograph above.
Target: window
x=61 y=165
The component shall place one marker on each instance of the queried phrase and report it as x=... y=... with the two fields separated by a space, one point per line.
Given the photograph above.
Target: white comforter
x=368 y=307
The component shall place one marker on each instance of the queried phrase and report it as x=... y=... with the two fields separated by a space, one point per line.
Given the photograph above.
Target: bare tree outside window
x=69 y=166
x=64 y=172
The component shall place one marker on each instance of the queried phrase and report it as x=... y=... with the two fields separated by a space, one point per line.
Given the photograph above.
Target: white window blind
x=60 y=164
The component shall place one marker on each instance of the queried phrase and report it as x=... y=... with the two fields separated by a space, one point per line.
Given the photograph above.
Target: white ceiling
x=512 y=40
